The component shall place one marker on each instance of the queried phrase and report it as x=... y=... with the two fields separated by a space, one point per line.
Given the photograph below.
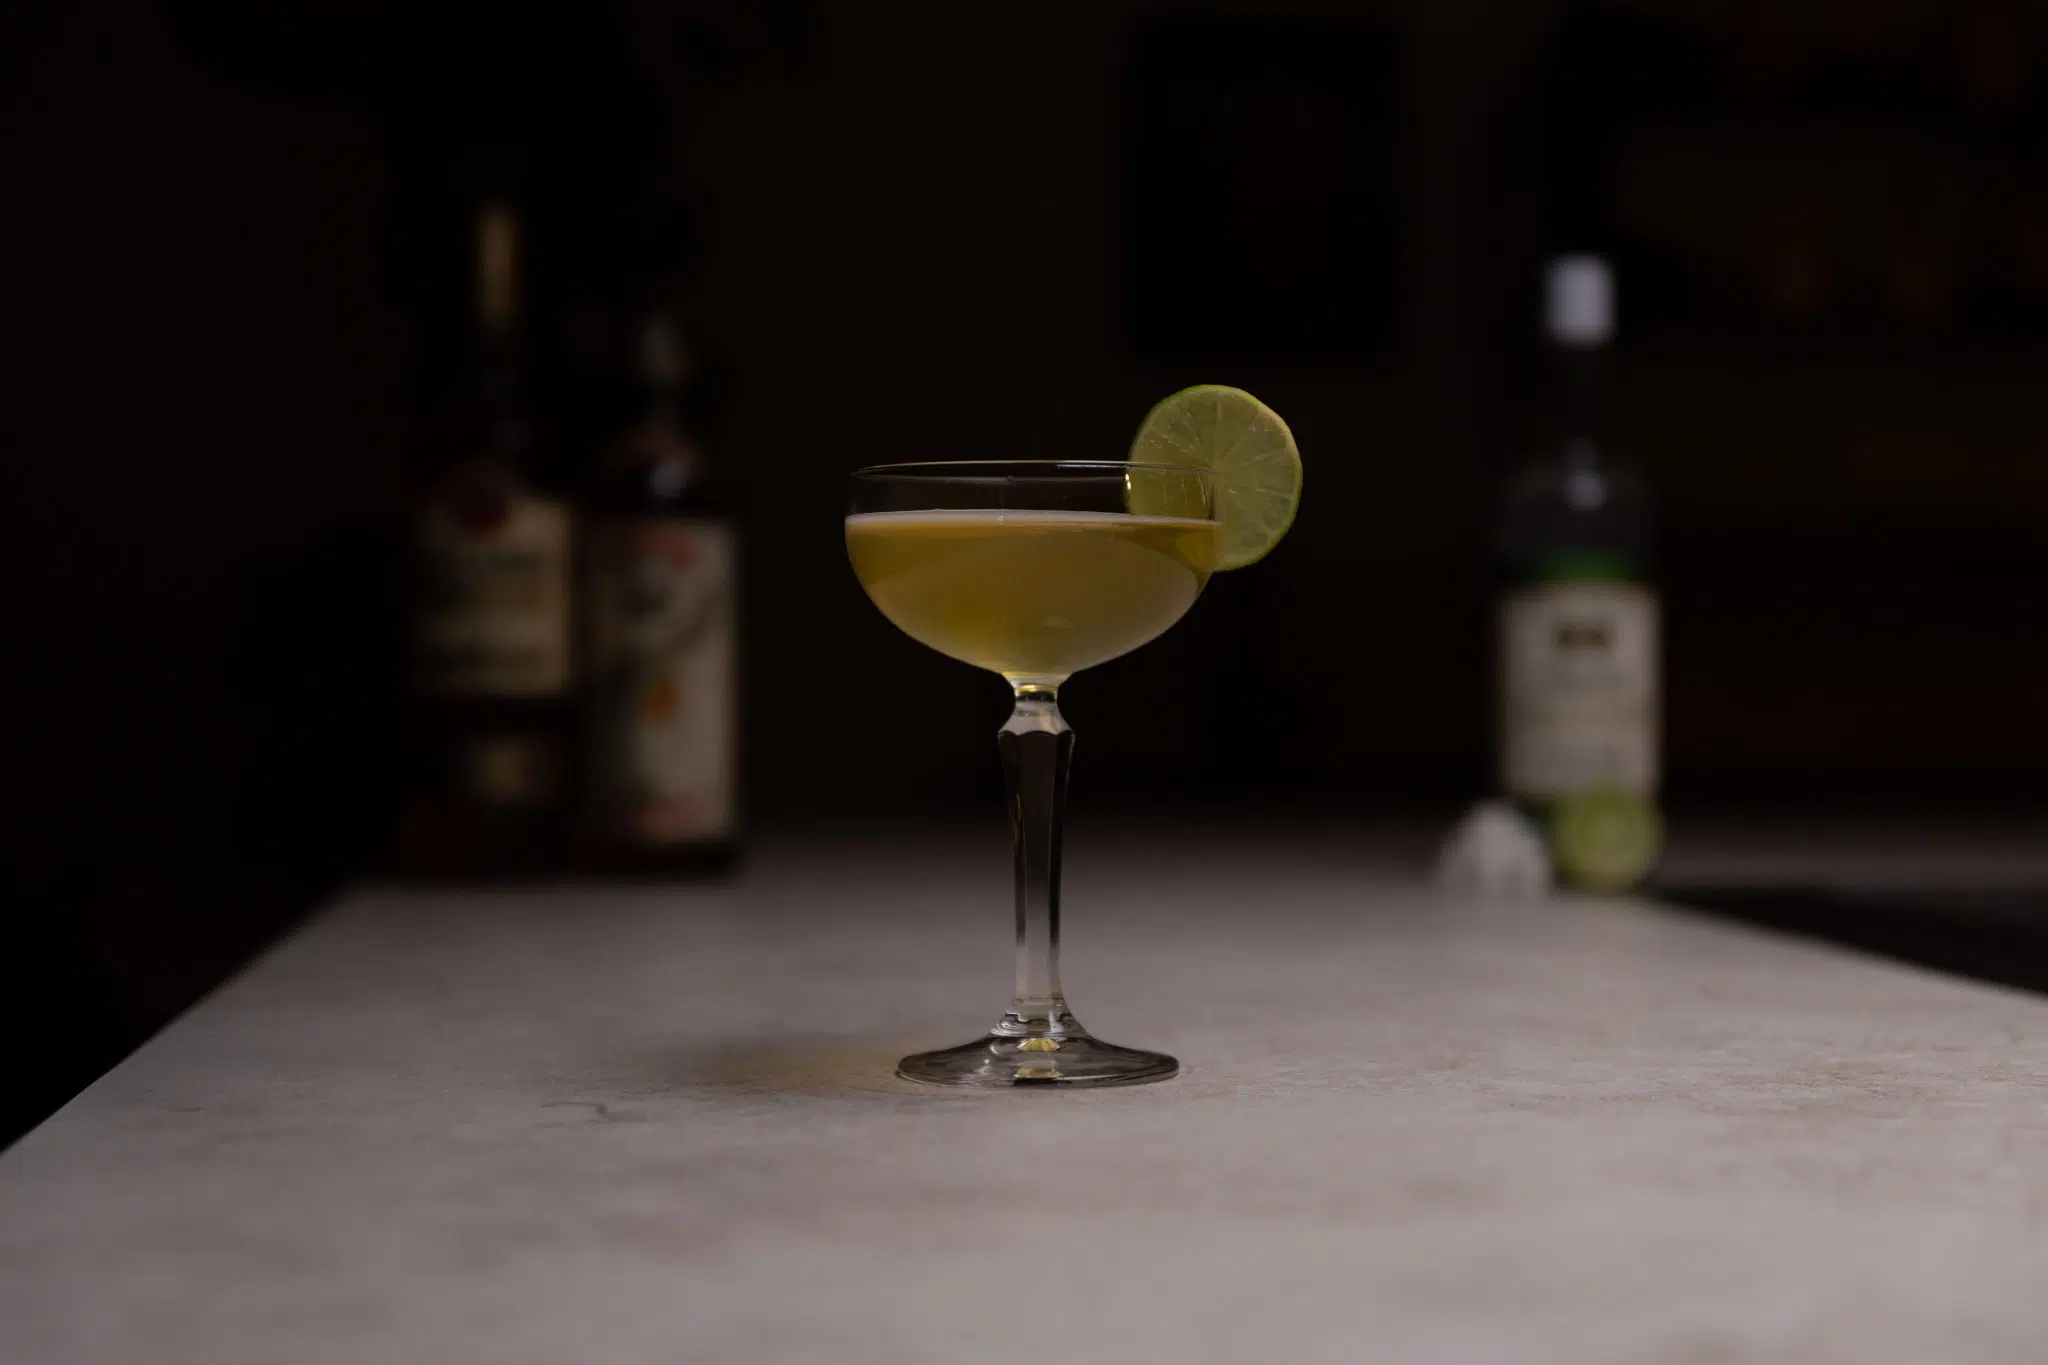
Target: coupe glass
x=1034 y=570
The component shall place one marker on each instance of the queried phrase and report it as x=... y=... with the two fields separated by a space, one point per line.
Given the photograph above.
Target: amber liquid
x=1034 y=596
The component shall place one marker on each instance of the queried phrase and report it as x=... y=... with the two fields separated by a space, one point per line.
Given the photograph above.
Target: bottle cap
x=1578 y=301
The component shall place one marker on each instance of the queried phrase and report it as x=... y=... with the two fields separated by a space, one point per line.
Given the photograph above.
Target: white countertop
x=637 y=1126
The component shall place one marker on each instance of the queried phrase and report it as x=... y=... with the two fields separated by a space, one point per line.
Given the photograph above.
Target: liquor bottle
x=659 y=593
x=1579 y=622
x=491 y=618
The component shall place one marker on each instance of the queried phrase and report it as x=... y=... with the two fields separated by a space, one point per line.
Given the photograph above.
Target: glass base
x=1005 y=1058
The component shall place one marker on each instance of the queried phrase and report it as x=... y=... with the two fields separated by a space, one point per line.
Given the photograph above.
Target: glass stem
x=1037 y=747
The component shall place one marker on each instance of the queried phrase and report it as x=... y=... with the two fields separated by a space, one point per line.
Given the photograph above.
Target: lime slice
x=1250 y=452
x=1605 y=840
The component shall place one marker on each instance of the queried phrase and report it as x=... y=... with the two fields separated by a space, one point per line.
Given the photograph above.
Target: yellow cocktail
x=1036 y=570
x=1034 y=596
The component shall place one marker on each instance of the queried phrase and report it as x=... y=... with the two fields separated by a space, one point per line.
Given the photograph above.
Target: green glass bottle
x=1579 y=628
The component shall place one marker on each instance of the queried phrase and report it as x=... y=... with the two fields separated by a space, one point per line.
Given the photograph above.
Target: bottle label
x=1579 y=691
x=663 y=739
x=494 y=597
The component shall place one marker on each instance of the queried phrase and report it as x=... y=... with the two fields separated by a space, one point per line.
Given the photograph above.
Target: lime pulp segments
x=1254 y=464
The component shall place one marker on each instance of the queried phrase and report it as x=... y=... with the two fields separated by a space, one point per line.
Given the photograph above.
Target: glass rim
x=970 y=468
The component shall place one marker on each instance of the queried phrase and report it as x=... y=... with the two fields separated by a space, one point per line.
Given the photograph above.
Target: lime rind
x=1254 y=464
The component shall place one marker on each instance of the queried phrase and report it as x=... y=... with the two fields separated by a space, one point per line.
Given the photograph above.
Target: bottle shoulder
x=659 y=472
x=1579 y=479
x=1574 y=503
x=461 y=445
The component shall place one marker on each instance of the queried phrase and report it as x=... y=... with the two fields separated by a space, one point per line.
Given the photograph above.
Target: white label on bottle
x=664 y=718
x=494 y=615
x=1579 y=664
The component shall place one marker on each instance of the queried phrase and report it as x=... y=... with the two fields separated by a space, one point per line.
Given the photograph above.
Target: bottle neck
x=496 y=376
x=497 y=371
x=489 y=411
x=1581 y=415
x=661 y=410
x=1573 y=513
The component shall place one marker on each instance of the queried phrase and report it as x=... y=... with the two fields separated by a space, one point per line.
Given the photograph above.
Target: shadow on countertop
x=1994 y=935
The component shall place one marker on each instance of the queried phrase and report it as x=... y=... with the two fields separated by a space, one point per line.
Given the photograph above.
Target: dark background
x=923 y=231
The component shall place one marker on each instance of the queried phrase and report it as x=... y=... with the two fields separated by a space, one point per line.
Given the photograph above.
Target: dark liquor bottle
x=491 y=624
x=1579 y=620
x=661 y=753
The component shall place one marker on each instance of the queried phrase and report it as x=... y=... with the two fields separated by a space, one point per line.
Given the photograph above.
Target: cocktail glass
x=1034 y=570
